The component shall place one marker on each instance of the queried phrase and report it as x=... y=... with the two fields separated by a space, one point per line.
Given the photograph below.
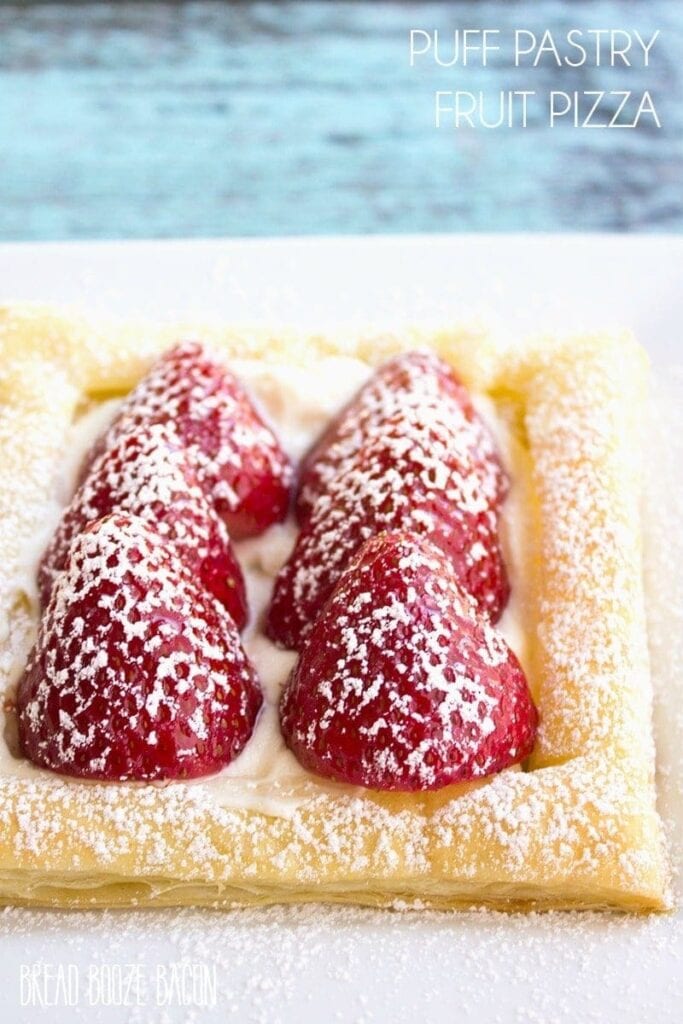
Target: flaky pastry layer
x=578 y=829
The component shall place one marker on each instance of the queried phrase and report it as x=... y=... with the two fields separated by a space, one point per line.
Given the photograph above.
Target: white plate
x=313 y=964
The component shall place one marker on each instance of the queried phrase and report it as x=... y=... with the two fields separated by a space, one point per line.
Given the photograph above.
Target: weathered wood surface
x=203 y=119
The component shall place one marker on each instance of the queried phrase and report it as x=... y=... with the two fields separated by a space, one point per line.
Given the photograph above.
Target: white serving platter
x=325 y=964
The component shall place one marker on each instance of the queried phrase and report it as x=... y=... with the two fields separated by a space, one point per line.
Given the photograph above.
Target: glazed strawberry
x=423 y=464
x=239 y=462
x=412 y=379
x=147 y=474
x=137 y=673
x=402 y=684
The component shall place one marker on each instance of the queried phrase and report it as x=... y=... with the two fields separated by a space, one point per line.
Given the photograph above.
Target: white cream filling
x=299 y=402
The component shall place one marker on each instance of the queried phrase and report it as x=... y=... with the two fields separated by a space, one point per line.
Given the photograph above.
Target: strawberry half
x=402 y=684
x=239 y=462
x=412 y=379
x=147 y=474
x=137 y=672
x=409 y=454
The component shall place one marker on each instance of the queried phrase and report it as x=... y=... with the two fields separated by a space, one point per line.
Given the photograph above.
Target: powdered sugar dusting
x=403 y=683
x=136 y=673
x=583 y=417
x=147 y=474
x=305 y=963
x=334 y=846
x=309 y=964
x=411 y=454
x=235 y=455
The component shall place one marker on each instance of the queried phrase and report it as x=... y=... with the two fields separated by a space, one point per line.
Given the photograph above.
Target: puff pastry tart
x=291 y=618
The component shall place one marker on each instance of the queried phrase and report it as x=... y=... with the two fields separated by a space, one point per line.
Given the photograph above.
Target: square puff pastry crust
x=579 y=829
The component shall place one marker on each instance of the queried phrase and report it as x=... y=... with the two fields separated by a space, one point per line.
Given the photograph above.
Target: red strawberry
x=239 y=462
x=147 y=474
x=422 y=463
x=412 y=379
x=402 y=684
x=137 y=673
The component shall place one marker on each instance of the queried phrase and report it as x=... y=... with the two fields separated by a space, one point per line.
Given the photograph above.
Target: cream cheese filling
x=299 y=401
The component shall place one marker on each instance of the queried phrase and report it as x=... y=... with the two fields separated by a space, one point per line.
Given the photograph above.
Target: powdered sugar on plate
x=663 y=559
x=320 y=963
x=311 y=964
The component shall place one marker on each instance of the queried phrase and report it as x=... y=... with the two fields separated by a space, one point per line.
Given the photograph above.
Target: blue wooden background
x=203 y=119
